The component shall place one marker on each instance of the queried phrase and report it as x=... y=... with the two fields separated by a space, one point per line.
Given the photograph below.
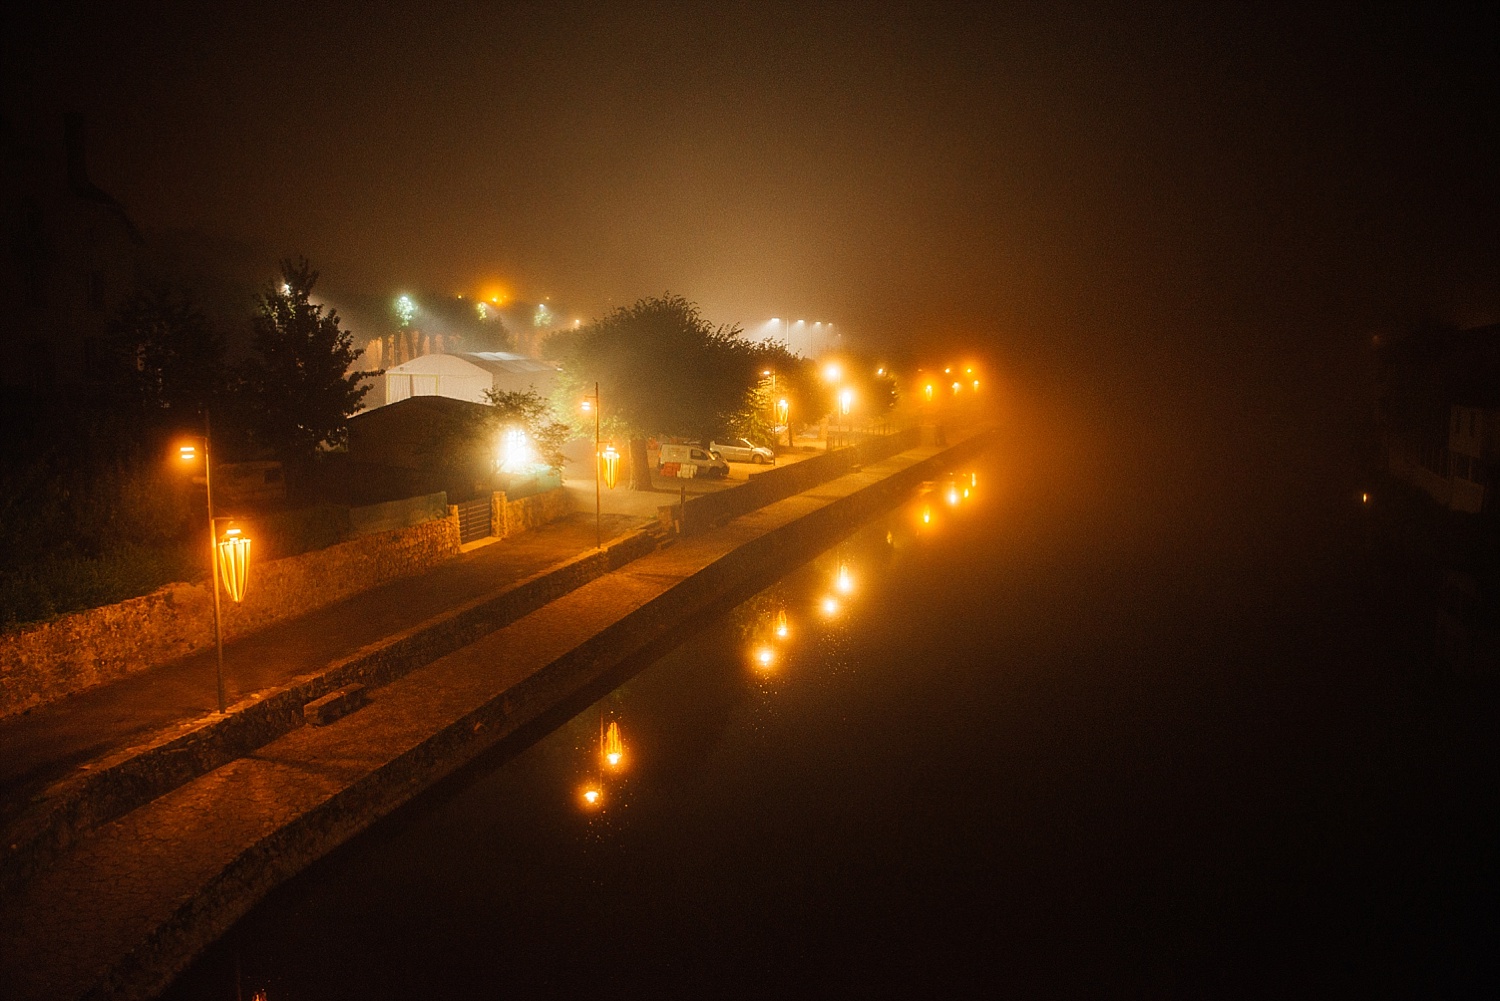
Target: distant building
x=74 y=257
x=461 y=377
x=1473 y=455
x=1440 y=416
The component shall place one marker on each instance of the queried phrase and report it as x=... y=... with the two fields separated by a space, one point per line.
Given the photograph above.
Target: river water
x=1091 y=729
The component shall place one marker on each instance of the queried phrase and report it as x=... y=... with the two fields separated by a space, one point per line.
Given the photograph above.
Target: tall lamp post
x=592 y=403
x=228 y=557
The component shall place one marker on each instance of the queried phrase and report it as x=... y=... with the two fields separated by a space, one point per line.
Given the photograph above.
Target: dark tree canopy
x=164 y=355
x=302 y=389
x=661 y=369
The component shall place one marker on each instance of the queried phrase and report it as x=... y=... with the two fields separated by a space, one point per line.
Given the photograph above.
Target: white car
x=740 y=450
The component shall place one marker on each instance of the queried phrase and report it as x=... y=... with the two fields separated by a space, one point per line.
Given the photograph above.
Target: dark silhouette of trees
x=165 y=356
x=662 y=369
x=301 y=390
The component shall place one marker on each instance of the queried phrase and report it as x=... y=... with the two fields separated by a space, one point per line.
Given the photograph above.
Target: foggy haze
x=1168 y=196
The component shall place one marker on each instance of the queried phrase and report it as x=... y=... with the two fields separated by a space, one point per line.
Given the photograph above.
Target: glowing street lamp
x=229 y=556
x=782 y=409
x=234 y=562
x=610 y=460
x=846 y=400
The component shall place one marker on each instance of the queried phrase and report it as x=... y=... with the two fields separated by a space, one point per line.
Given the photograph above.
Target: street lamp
x=229 y=555
x=591 y=403
x=782 y=409
x=611 y=463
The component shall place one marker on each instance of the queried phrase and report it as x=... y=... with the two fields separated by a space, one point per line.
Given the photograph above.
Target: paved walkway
x=166 y=878
x=46 y=744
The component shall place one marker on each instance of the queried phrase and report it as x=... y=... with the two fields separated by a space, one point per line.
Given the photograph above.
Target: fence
x=707 y=510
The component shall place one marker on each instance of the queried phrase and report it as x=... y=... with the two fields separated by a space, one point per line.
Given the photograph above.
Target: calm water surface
x=1078 y=734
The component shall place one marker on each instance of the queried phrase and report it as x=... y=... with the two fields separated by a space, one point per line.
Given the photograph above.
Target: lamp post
x=239 y=553
x=592 y=403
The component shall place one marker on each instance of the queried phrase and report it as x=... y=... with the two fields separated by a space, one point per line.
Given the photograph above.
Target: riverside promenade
x=117 y=907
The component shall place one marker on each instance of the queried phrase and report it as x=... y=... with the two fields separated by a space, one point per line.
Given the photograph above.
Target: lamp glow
x=782 y=627
x=610 y=462
x=613 y=749
x=234 y=563
x=516 y=452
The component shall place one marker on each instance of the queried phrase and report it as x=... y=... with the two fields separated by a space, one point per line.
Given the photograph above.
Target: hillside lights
x=609 y=462
x=234 y=562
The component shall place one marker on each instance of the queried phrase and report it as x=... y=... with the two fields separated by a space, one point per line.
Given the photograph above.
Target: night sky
x=1168 y=191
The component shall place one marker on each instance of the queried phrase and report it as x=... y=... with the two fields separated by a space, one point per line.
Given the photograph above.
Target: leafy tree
x=661 y=369
x=792 y=378
x=165 y=355
x=303 y=391
x=534 y=415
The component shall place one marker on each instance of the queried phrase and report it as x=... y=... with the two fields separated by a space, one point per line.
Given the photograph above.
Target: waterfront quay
x=116 y=909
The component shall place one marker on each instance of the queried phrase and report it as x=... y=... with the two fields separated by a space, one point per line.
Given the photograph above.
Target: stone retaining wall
x=511 y=517
x=49 y=660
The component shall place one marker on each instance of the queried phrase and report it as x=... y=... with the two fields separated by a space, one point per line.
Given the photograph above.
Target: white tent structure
x=466 y=376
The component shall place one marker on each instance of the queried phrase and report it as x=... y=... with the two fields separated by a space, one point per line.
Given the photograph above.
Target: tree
x=662 y=369
x=165 y=355
x=534 y=415
x=303 y=391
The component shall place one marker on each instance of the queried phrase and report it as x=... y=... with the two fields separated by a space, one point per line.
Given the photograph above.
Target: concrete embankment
x=131 y=902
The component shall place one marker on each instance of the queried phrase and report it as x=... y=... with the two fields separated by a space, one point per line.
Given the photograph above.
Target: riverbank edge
x=123 y=780
x=224 y=899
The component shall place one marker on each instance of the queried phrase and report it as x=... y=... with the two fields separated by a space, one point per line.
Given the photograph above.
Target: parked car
x=742 y=450
x=691 y=455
